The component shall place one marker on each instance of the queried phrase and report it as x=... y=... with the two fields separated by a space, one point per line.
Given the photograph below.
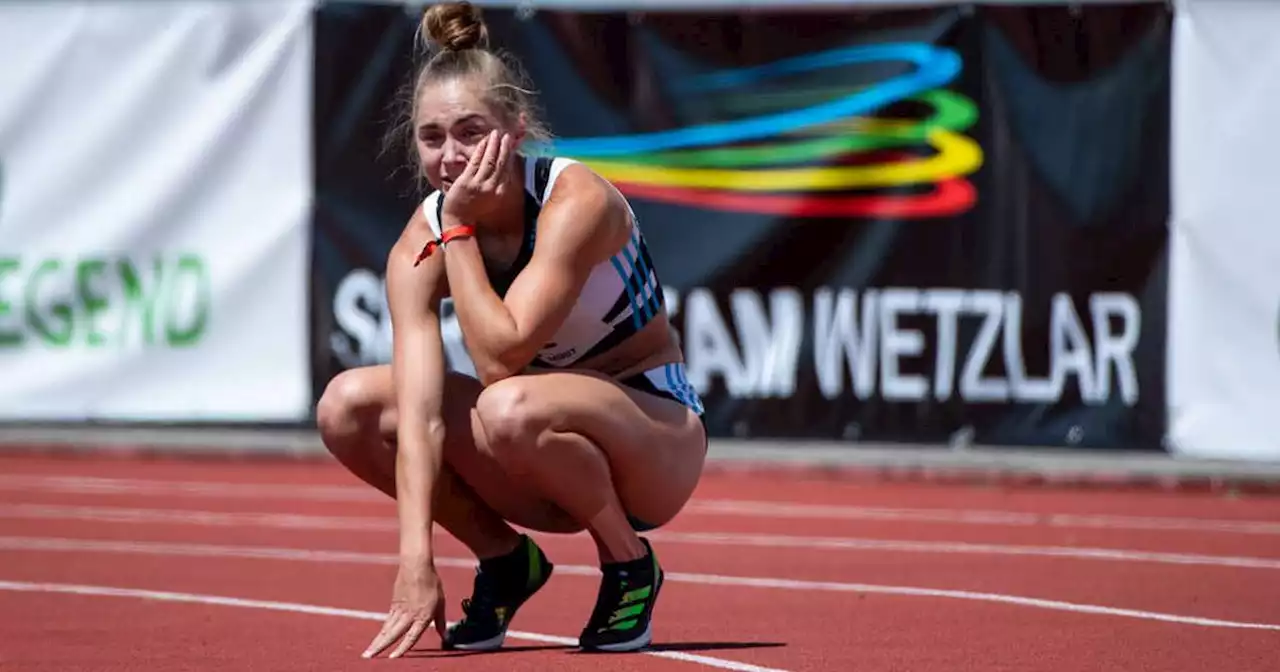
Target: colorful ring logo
x=794 y=162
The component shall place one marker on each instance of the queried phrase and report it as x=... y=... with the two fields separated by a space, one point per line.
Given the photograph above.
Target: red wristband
x=460 y=231
x=455 y=232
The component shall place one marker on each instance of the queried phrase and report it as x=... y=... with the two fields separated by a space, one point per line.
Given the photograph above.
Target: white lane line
x=304 y=555
x=110 y=514
x=135 y=486
x=978 y=517
x=385 y=524
x=166 y=596
x=342 y=493
x=211 y=519
x=899 y=546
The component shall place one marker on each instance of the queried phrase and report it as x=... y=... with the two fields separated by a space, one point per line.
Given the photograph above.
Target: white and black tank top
x=622 y=294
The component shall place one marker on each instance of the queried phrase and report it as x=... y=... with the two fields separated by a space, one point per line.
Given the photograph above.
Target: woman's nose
x=454 y=152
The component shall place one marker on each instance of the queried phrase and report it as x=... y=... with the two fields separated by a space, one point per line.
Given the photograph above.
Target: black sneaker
x=501 y=586
x=622 y=618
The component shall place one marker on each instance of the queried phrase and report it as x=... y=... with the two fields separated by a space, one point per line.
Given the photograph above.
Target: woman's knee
x=511 y=417
x=346 y=409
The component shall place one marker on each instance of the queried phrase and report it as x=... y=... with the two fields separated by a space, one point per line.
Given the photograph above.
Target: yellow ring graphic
x=956 y=155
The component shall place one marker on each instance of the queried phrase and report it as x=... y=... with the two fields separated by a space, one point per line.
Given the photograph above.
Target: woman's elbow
x=491 y=370
x=493 y=373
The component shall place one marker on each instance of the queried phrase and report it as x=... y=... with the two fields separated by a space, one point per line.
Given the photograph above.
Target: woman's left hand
x=483 y=182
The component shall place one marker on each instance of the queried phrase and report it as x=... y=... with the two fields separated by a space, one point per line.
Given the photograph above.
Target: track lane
x=716 y=485
x=1241 y=537
x=819 y=630
x=1211 y=592
x=319 y=515
x=794 y=631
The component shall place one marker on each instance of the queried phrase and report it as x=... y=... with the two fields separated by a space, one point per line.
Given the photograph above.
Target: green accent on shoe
x=535 y=563
x=495 y=599
x=627 y=612
x=636 y=595
x=621 y=618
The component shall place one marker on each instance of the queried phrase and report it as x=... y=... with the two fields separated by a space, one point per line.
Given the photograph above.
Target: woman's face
x=453 y=117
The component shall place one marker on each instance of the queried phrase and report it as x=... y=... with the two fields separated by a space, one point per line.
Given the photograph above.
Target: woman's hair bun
x=455 y=26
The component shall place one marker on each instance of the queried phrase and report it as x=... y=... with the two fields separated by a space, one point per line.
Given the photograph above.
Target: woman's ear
x=521 y=130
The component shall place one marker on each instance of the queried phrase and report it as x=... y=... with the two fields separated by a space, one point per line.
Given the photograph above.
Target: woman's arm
x=417 y=366
x=418 y=369
x=582 y=224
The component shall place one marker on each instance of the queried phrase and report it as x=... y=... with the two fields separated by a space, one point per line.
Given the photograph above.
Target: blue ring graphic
x=935 y=67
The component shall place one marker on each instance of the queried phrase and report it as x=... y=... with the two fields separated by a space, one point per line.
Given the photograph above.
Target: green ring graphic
x=952 y=112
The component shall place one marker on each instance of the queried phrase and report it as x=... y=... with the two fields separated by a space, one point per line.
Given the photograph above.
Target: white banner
x=1224 y=347
x=155 y=185
x=700 y=5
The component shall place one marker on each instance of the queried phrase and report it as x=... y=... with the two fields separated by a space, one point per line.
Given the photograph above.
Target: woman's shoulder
x=584 y=214
x=570 y=183
x=422 y=227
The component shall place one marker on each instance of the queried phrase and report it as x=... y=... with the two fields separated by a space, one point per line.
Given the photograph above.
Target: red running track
x=110 y=564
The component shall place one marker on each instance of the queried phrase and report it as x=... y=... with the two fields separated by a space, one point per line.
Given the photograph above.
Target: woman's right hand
x=417 y=601
x=482 y=184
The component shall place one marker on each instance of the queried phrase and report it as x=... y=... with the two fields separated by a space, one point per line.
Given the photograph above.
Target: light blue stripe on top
x=626 y=286
x=672 y=386
x=694 y=400
x=640 y=302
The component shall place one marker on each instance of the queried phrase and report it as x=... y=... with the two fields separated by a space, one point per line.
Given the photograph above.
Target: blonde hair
x=457 y=41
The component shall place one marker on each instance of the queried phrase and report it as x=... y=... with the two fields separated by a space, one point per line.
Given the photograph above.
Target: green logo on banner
x=103 y=302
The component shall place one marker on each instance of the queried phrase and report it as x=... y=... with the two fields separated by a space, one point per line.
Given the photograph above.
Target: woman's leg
x=604 y=453
x=597 y=449
x=557 y=452
x=357 y=421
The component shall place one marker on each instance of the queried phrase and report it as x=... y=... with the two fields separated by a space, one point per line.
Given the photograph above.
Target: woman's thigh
x=471 y=461
x=655 y=447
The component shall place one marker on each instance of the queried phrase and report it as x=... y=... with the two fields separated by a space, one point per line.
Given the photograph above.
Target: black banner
x=921 y=225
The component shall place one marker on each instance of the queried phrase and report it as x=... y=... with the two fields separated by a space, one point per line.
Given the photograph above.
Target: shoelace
x=613 y=585
x=483 y=600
